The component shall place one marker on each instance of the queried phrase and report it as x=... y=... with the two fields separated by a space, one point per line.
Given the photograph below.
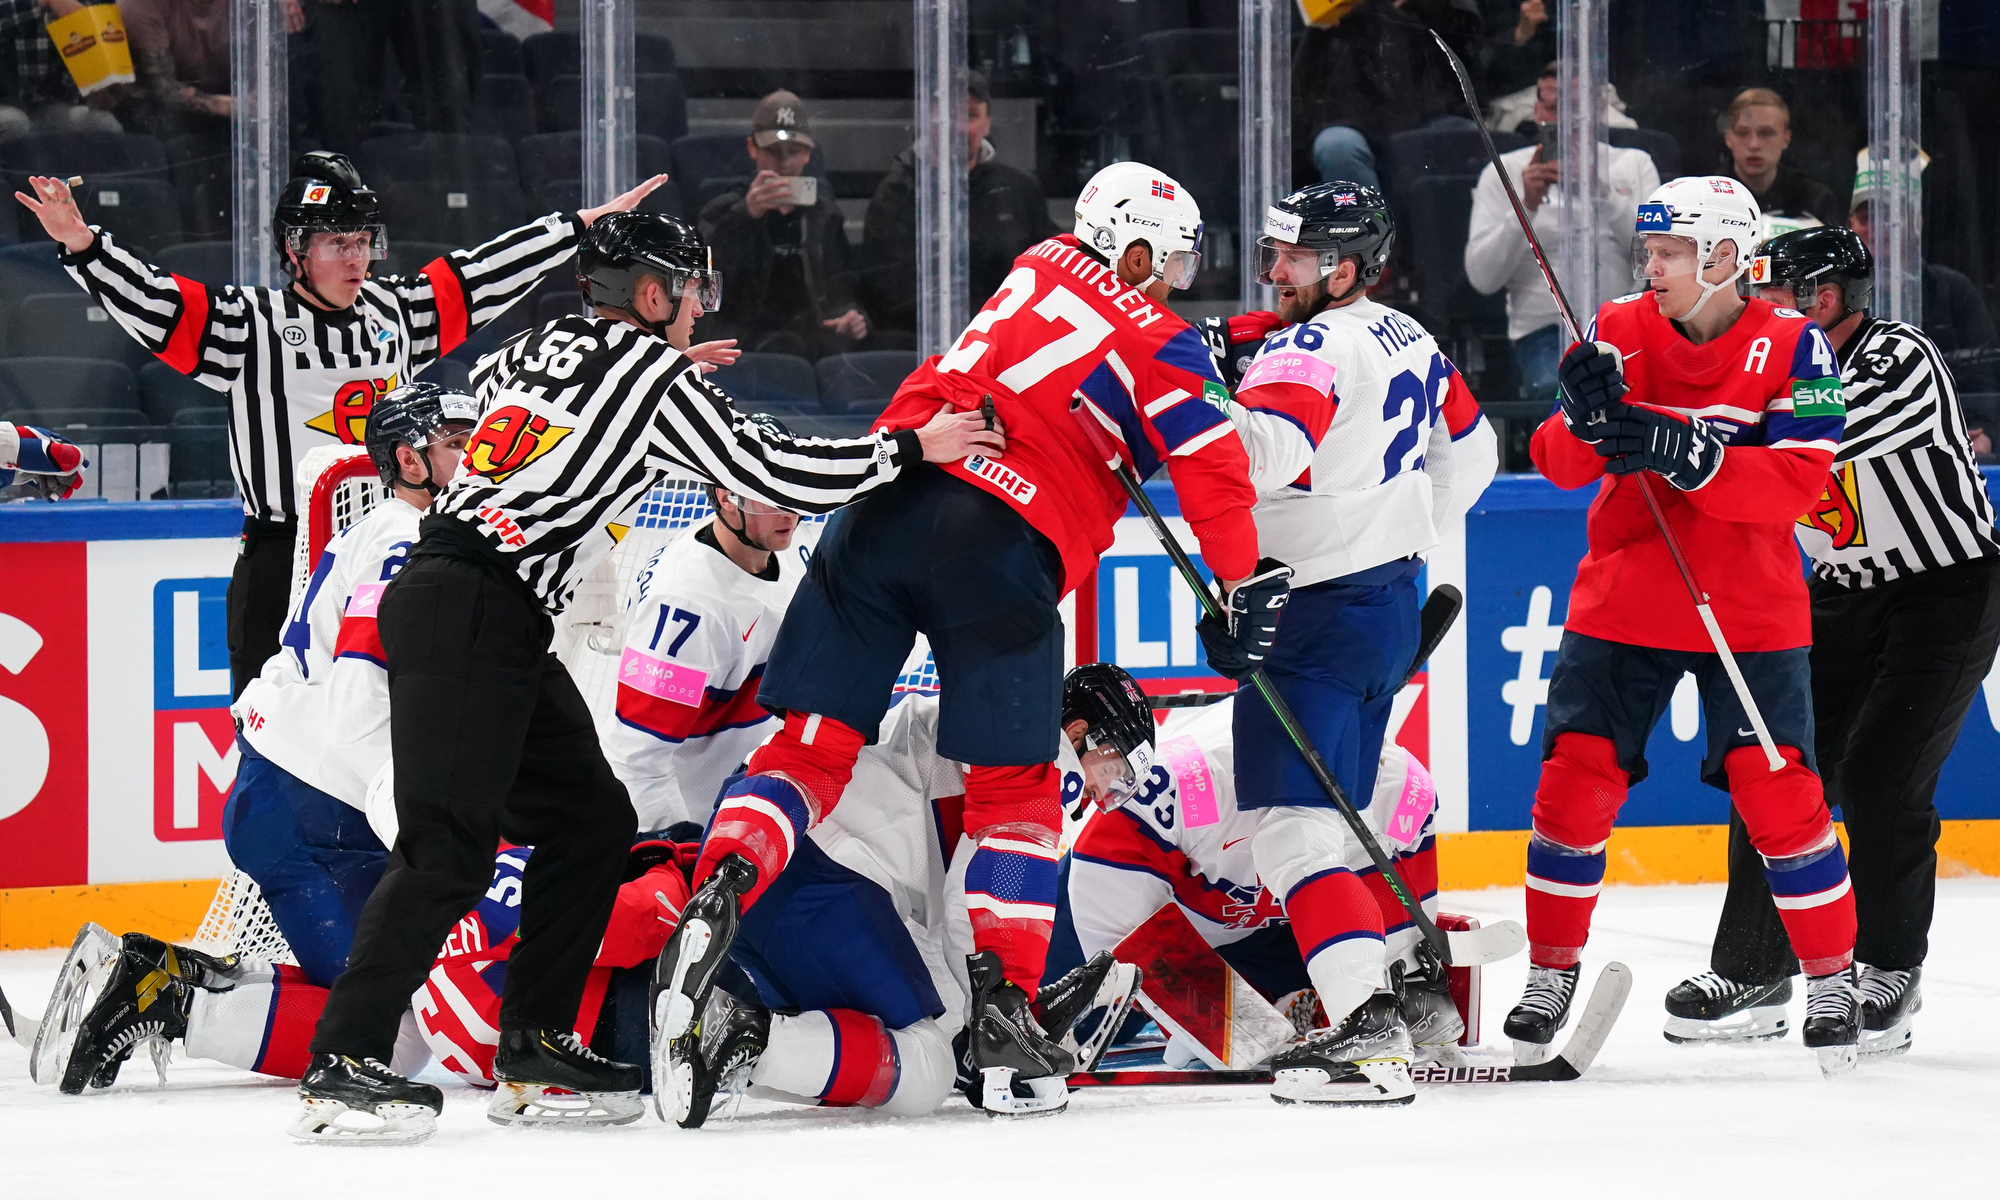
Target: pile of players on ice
x=1019 y=884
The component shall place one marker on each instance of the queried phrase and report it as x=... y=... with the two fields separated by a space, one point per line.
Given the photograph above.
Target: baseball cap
x=781 y=117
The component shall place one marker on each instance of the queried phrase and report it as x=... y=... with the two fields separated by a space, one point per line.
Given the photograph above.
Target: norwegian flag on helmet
x=1163 y=189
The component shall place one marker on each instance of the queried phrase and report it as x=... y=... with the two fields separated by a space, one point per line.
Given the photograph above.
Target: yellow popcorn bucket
x=93 y=46
x=1325 y=14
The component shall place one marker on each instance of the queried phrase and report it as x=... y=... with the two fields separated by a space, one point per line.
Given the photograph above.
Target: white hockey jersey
x=696 y=642
x=320 y=707
x=1181 y=838
x=1364 y=442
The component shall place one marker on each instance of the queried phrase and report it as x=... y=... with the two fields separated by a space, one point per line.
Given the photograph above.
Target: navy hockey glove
x=1686 y=454
x=1239 y=647
x=1591 y=387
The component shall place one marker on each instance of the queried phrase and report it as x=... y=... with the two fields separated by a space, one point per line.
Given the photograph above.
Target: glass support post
x=610 y=157
x=942 y=168
x=1895 y=176
x=260 y=146
x=1583 y=189
x=1264 y=116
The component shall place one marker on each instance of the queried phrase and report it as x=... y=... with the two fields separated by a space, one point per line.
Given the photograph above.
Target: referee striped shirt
x=580 y=418
x=1905 y=494
x=296 y=376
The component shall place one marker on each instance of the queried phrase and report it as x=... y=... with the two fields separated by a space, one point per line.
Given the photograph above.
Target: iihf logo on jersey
x=509 y=439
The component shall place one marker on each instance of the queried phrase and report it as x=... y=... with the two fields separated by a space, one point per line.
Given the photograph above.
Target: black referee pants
x=491 y=739
x=260 y=590
x=1894 y=671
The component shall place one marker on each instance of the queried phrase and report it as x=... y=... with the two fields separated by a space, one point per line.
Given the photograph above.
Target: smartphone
x=802 y=191
x=1547 y=134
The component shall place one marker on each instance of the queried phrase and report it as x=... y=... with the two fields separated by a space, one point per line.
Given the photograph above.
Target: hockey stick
x=1775 y=760
x=1593 y=1027
x=1458 y=948
x=1439 y=615
x=20 y=1026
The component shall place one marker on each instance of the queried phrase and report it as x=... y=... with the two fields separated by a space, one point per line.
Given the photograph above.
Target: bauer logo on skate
x=1016 y=488
x=510 y=438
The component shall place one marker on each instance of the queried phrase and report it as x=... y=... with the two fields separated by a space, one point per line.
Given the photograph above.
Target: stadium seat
x=436 y=157
x=552 y=171
x=144 y=214
x=408 y=255
x=1189 y=52
x=66 y=383
x=25 y=270
x=201 y=171
x=199 y=460
x=862 y=382
x=65 y=421
x=164 y=392
x=459 y=213
x=119 y=155
x=73 y=321
x=1439 y=211
x=1417 y=152
x=501 y=52
x=660 y=105
x=213 y=263
x=774 y=383
x=201 y=416
x=547 y=56
x=1199 y=133
x=505 y=107
x=1663 y=148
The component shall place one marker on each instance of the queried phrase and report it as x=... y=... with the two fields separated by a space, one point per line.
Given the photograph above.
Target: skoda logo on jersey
x=1655 y=218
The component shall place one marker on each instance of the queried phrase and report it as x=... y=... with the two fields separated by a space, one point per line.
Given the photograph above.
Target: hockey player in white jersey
x=314 y=724
x=696 y=641
x=1364 y=444
x=1167 y=833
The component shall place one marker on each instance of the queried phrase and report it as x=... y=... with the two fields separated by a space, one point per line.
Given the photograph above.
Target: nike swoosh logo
x=753 y=625
x=1746 y=733
x=1227 y=845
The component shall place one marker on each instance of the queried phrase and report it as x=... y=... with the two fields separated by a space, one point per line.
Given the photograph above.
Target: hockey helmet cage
x=1131 y=202
x=325 y=195
x=1115 y=713
x=1337 y=219
x=621 y=248
x=415 y=415
x=1805 y=260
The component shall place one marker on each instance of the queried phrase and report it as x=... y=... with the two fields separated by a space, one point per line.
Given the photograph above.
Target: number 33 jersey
x=1364 y=442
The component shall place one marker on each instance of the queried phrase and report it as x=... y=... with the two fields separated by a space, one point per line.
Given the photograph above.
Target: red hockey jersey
x=1062 y=326
x=1770 y=389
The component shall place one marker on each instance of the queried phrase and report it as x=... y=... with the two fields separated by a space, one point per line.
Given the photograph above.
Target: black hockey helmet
x=415 y=415
x=621 y=248
x=1806 y=260
x=1338 y=219
x=1114 y=709
x=325 y=195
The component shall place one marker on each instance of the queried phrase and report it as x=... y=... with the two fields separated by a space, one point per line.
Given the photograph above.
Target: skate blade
x=1533 y=1054
x=1050 y=1094
x=1384 y=1081
x=537 y=1105
x=1887 y=1043
x=81 y=978
x=1751 y=1025
x=679 y=1012
x=1836 y=1061
x=331 y=1123
x=1114 y=998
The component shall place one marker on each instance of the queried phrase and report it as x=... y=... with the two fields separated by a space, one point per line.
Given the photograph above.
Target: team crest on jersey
x=510 y=438
x=1820 y=397
x=348 y=418
x=1837 y=512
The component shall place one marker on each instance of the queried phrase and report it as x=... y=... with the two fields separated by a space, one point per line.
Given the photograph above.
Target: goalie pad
x=1197 y=997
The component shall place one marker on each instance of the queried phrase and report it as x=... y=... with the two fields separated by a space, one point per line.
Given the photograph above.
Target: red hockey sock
x=865 y=1062
x=794 y=780
x=1010 y=882
x=1787 y=819
x=1581 y=791
x=1419 y=872
x=1331 y=907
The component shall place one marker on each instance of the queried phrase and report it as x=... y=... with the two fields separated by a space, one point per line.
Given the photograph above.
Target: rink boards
x=116 y=752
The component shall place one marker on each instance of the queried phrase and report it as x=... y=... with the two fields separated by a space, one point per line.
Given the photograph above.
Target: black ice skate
x=358 y=1101
x=1103 y=986
x=1007 y=1065
x=715 y=1057
x=1833 y=1020
x=549 y=1077
x=1889 y=999
x=685 y=970
x=1713 y=1008
x=1363 y=1060
x=144 y=999
x=1432 y=1016
x=1544 y=1009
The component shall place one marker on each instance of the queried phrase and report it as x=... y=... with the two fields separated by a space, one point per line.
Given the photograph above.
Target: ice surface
x=1651 y=1119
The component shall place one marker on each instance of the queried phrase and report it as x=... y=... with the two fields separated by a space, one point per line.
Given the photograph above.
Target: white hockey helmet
x=1131 y=202
x=1706 y=210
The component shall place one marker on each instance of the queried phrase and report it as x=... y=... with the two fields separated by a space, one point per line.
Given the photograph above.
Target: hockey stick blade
x=1486 y=944
x=1600 y=1013
x=20 y=1026
x=1439 y=615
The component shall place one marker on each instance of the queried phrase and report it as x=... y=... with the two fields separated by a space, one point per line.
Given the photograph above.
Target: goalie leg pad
x=1197 y=998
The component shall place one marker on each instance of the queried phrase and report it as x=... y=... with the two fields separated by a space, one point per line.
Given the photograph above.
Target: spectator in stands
x=1006 y=214
x=1497 y=254
x=1522 y=112
x=180 y=53
x=1955 y=317
x=1520 y=37
x=36 y=90
x=785 y=263
x=1375 y=72
x=436 y=44
x=1757 y=129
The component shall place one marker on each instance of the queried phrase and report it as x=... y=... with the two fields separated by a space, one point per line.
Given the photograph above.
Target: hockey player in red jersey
x=977 y=555
x=1729 y=411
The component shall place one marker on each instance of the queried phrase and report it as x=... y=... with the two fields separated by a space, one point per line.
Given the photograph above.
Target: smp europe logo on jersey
x=194 y=739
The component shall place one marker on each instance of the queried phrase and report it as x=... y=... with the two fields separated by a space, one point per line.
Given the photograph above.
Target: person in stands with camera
x=781 y=244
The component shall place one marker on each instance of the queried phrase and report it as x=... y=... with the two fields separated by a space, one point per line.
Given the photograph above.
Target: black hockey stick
x=1461 y=947
x=1440 y=612
x=1593 y=1026
x=1571 y=326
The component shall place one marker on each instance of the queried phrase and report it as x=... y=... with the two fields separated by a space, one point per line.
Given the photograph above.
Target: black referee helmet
x=621 y=248
x=1806 y=260
x=415 y=415
x=325 y=195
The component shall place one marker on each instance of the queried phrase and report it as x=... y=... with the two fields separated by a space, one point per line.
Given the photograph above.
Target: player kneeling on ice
x=1166 y=876
x=1726 y=413
x=859 y=945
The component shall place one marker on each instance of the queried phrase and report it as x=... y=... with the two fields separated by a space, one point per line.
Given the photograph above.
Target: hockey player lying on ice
x=1729 y=410
x=1167 y=858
